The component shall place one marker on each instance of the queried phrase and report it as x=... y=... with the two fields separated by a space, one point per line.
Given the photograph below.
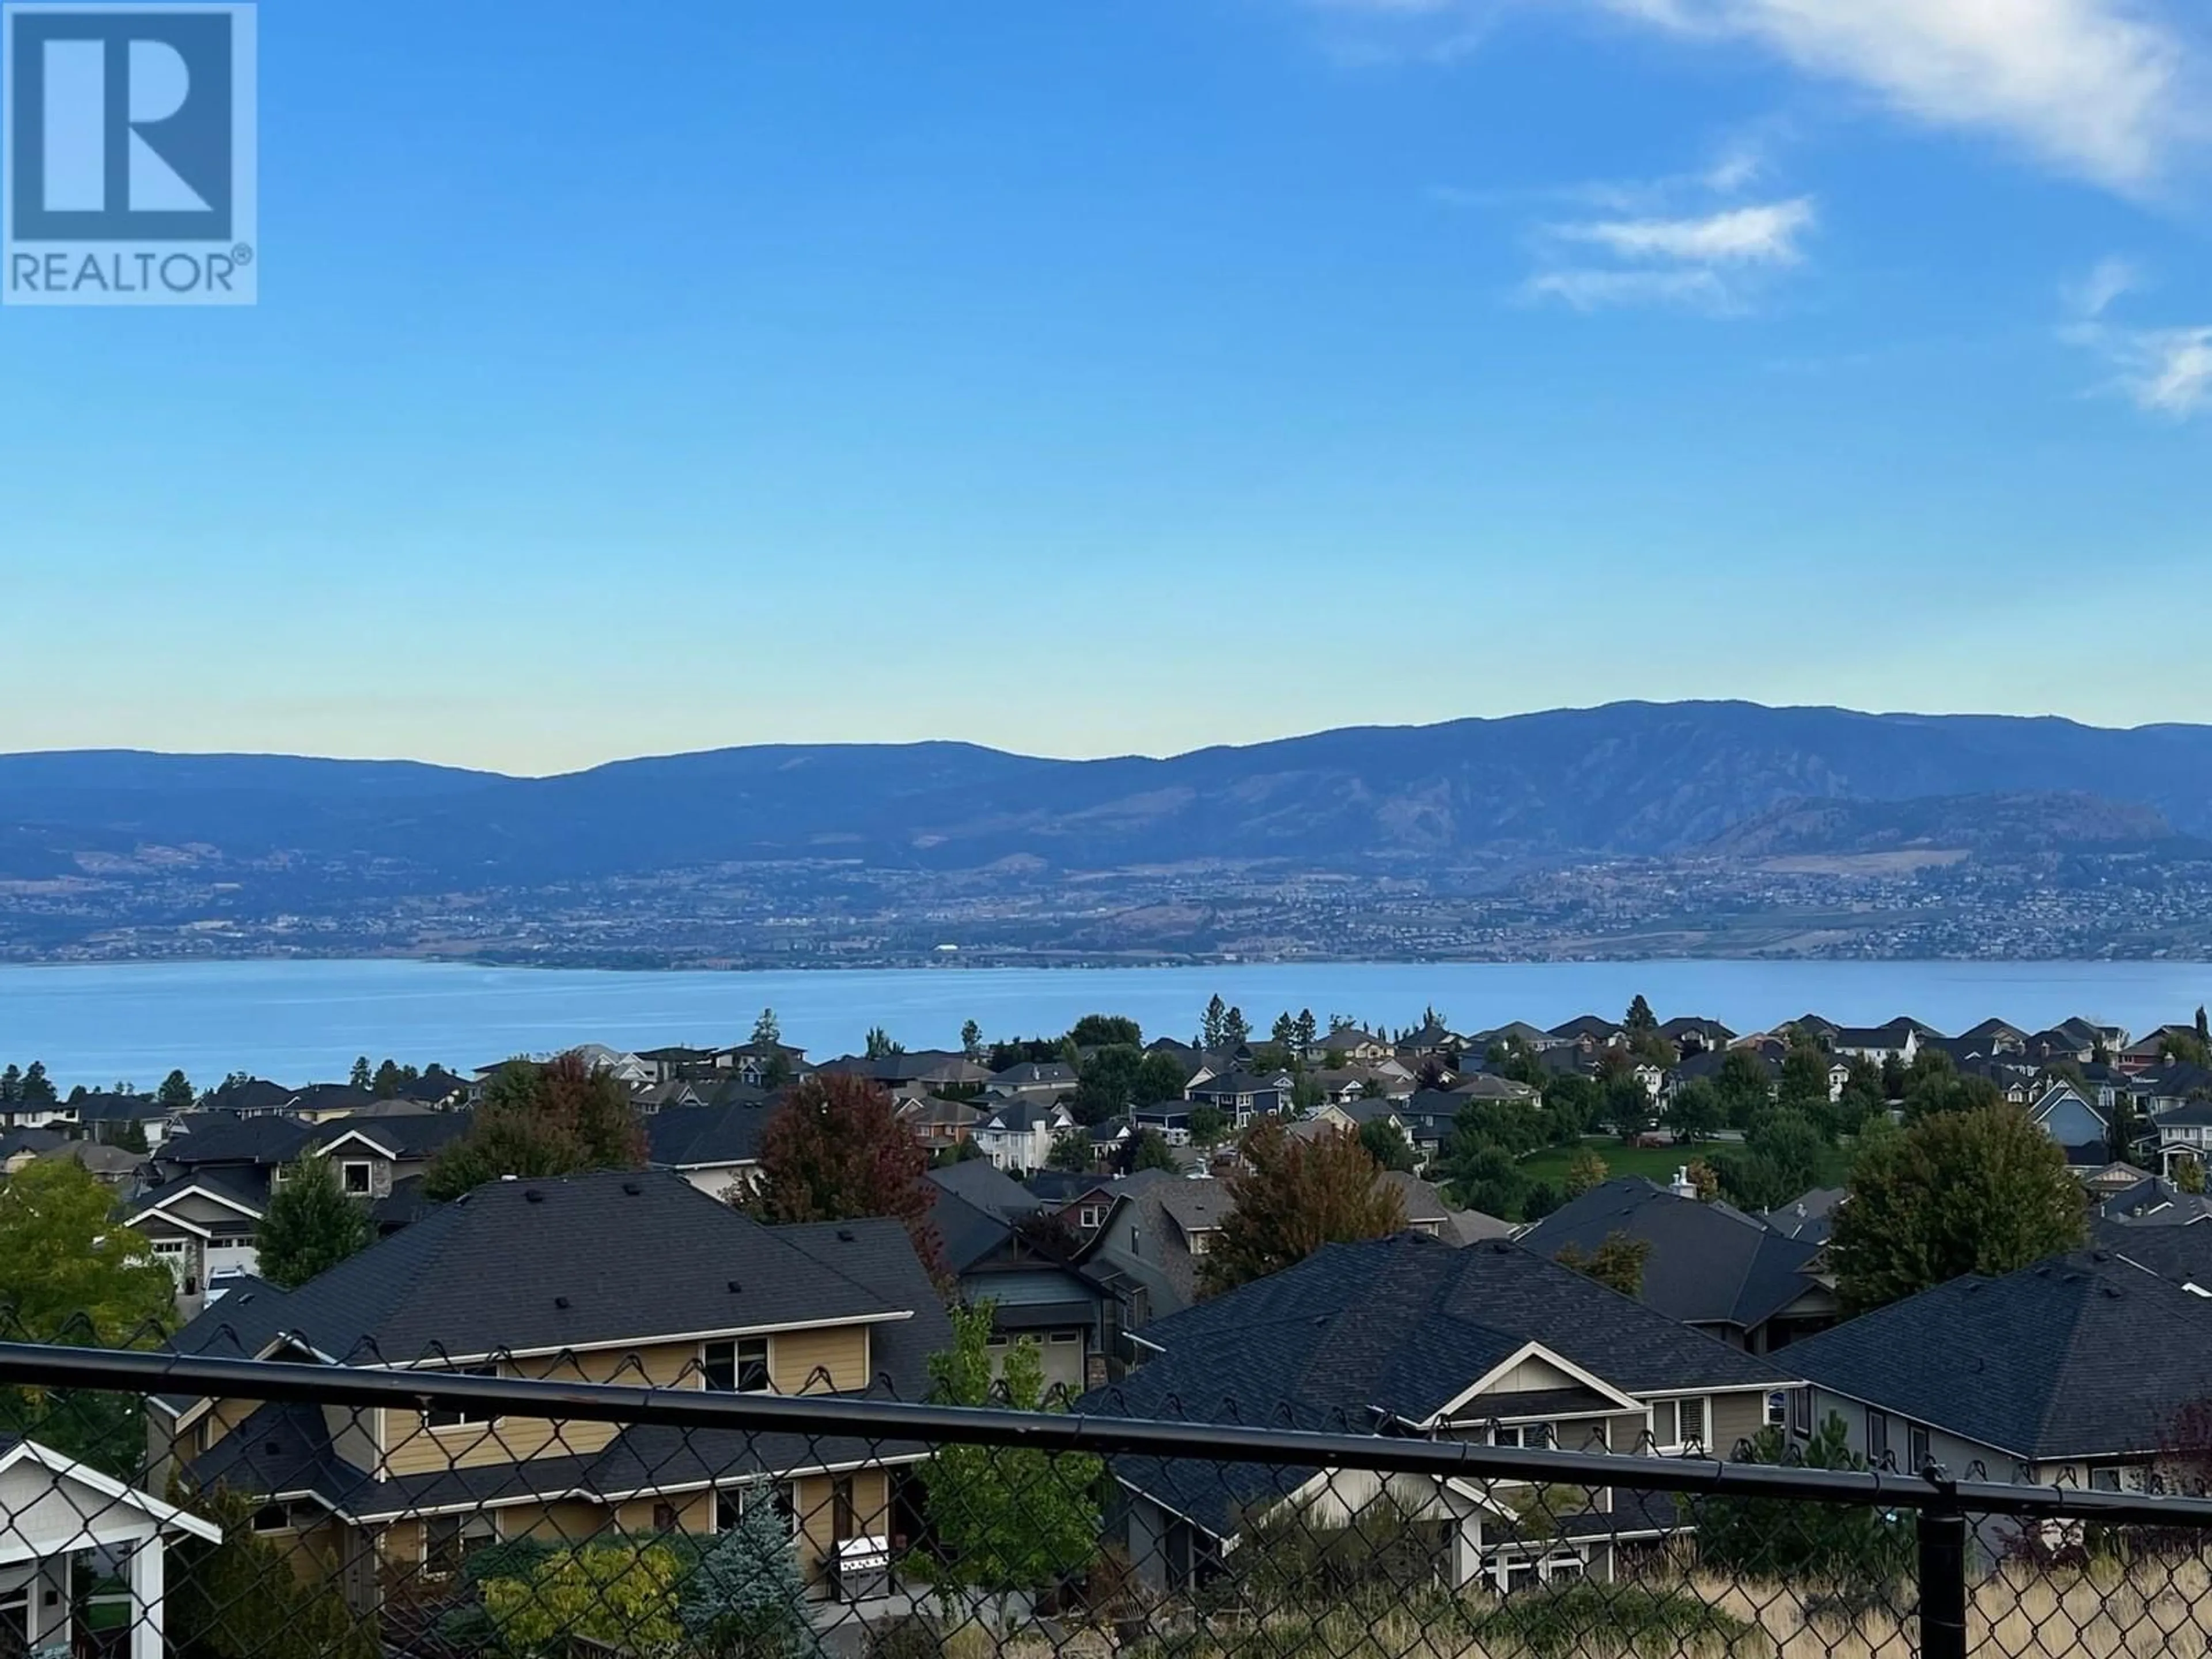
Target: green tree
x=1585 y=1170
x=361 y=1077
x=1640 y=1019
x=11 y=1085
x=1150 y=1150
x=242 y=1598
x=1851 y=1547
x=879 y=1044
x=1933 y=1083
x=1159 y=1077
x=1386 y=1143
x=747 y=1598
x=1783 y=1153
x=38 y=1089
x=310 y=1226
x=1284 y=1033
x=69 y=1273
x=1627 y=1104
x=1804 y=1087
x=1213 y=1024
x=1071 y=1151
x=1308 y=1028
x=1294 y=1195
x=1209 y=1125
x=1008 y=1519
x=175 y=1094
x=388 y=1081
x=540 y=1119
x=1617 y=1261
x=1107 y=1083
x=766 y=1028
x=617 y=1596
x=1982 y=1191
x=1101 y=1030
x=1744 y=1086
x=838 y=1151
x=971 y=1039
x=1236 y=1029
x=1695 y=1111
x=2189 y=1176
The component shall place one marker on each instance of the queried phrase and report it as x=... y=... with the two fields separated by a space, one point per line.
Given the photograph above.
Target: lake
x=301 y=1022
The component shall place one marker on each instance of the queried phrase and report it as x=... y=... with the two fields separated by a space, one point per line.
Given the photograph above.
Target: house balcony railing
x=344 y=1513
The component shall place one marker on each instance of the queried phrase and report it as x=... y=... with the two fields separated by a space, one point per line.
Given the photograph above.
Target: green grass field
x=1659 y=1162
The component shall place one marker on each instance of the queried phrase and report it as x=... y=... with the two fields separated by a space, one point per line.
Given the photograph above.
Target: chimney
x=1683 y=1186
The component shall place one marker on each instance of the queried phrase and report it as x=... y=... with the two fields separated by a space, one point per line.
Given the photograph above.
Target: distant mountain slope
x=1628 y=779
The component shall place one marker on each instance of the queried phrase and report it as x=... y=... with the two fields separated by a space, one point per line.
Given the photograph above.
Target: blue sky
x=1086 y=378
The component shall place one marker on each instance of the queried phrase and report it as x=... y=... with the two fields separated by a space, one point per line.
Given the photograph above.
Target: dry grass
x=2153 y=1608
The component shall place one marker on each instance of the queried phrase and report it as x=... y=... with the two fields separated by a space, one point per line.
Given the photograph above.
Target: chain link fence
x=234 y=1509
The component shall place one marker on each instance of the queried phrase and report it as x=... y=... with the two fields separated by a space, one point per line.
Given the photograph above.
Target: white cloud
x=1588 y=288
x=2164 y=371
x=2108 y=90
x=1768 y=234
x=2107 y=281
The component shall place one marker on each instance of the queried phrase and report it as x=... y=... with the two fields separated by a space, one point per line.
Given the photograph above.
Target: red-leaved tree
x=836 y=1152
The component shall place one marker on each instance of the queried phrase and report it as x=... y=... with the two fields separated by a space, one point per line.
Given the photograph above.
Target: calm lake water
x=299 y=1022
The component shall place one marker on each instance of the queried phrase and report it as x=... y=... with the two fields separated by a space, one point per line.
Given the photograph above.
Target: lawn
x=1659 y=1162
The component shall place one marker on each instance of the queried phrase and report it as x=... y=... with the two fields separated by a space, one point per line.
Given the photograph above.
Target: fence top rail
x=135 y=1372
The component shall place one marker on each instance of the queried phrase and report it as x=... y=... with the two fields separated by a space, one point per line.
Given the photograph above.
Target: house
x=1693 y=1035
x=1240 y=1097
x=600 y=1278
x=1473 y=1086
x=1083 y=1201
x=112 y=1119
x=1010 y=1249
x=19 y=1146
x=2151 y=1051
x=1810 y=1217
x=1514 y=1035
x=1354 y=1042
x=2083 y=1132
x=2153 y=1201
x=713 y=1148
x=927 y=1069
x=2072 y=1370
x=762 y=1064
x=110 y=1166
x=212 y=1182
x=940 y=1123
x=380 y=1158
x=61 y=1521
x=1588 y=1032
x=1150 y=1241
x=1899 y=1040
x=1433 y=1041
x=250 y=1096
x=1995 y=1037
x=1710 y=1265
x=1034 y=1080
x=1407 y=1336
x=1426 y=1119
x=1018 y=1137
x=1427 y=1210
x=321 y=1103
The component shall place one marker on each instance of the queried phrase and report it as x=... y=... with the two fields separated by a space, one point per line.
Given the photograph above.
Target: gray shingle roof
x=219 y=1138
x=693 y=1137
x=1709 y=1263
x=2084 y=1355
x=634 y=1257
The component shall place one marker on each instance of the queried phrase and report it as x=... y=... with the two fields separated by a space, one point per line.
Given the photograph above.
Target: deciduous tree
x=1984 y=1191
x=1295 y=1195
x=1617 y=1261
x=1009 y=1519
x=1386 y=1143
x=1071 y=1151
x=837 y=1151
x=1585 y=1170
x=69 y=1272
x=1099 y=1031
x=311 y=1226
x=542 y=1119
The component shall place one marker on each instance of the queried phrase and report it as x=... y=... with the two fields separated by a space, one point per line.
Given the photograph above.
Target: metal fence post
x=1942 y=1535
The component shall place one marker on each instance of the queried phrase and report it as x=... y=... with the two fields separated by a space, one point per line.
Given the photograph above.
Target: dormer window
x=736 y=1367
x=354 y=1177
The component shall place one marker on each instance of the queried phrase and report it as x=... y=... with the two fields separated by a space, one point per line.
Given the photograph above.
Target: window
x=454 y=1417
x=1066 y=1338
x=353 y=1178
x=1801 y=1412
x=1692 y=1414
x=1531 y=1436
x=1917 y=1448
x=665 y=1518
x=738 y=1367
x=1663 y=1423
x=2104 y=1480
x=1777 y=1409
x=1877 y=1436
x=271 y=1517
x=450 y=1539
x=1089 y=1216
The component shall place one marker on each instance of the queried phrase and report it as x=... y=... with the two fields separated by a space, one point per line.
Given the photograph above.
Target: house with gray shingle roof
x=598 y=1278
x=1409 y=1336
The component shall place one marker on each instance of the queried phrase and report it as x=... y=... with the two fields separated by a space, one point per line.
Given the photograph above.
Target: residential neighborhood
x=1626 y=1237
